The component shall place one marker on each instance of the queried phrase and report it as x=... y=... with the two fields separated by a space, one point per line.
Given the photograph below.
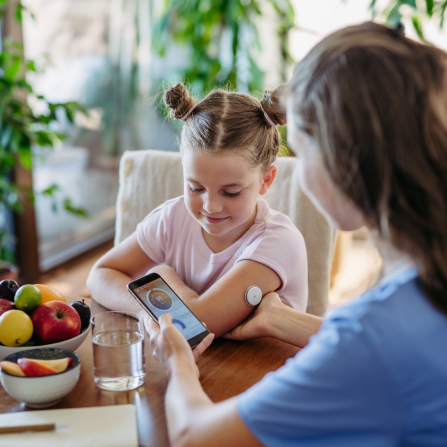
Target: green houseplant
x=222 y=41
x=209 y=28
x=21 y=130
x=416 y=11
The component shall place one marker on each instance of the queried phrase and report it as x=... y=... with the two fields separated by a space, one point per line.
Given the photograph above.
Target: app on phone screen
x=160 y=299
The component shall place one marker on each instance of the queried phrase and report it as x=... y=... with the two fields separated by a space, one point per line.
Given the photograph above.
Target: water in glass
x=118 y=359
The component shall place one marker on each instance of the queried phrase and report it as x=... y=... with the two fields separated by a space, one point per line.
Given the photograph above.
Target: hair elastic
x=269 y=120
x=183 y=118
x=398 y=30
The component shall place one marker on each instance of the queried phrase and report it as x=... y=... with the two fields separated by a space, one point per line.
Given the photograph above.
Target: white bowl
x=42 y=391
x=71 y=345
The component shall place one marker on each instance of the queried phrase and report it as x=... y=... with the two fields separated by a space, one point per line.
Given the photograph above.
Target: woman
x=367 y=115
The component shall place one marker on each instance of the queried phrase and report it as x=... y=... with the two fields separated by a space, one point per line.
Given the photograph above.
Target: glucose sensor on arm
x=253 y=296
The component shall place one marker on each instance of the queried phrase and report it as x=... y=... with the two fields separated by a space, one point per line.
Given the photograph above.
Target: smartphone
x=157 y=299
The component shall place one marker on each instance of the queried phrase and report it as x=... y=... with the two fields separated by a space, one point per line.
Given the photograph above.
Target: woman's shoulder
x=370 y=306
x=387 y=293
x=397 y=318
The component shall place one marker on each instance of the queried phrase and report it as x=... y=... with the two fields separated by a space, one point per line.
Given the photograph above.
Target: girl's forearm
x=108 y=287
x=293 y=326
x=174 y=281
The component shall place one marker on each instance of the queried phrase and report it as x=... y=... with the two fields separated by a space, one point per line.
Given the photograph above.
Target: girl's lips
x=215 y=220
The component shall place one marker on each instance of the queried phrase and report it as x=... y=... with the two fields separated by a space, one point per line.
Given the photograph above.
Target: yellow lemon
x=49 y=294
x=16 y=328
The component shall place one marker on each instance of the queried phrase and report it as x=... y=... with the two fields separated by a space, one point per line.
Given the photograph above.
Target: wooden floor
x=70 y=279
x=359 y=268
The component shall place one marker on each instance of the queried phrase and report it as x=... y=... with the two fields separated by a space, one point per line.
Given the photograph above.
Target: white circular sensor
x=253 y=296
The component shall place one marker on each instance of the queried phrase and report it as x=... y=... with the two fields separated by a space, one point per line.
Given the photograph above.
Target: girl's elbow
x=94 y=279
x=91 y=281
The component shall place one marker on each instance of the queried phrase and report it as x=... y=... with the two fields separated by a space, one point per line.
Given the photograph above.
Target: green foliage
x=419 y=10
x=203 y=25
x=21 y=129
x=6 y=242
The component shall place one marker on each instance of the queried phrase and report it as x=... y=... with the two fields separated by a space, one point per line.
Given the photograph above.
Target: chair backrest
x=150 y=178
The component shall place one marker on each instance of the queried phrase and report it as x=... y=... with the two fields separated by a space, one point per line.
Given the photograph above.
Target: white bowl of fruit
x=37 y=315
x=40 y=377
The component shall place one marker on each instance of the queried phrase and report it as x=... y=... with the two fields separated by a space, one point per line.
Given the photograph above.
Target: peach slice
x=34 y=367
x=12 y=368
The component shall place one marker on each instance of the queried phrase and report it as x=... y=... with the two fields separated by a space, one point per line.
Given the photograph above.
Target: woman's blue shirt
x=374 y=375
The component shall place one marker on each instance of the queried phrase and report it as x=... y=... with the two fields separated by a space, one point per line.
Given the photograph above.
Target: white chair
x=149 y=178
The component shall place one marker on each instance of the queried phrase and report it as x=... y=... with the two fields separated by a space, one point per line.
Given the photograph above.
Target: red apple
x=32 y=368
x=55 y=321
x=6 y=305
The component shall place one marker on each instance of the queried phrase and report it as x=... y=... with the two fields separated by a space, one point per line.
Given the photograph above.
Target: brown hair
x=225 y=122
x=376 y=104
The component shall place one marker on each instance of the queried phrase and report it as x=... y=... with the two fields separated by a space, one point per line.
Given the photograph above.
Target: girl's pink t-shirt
x=170 y=235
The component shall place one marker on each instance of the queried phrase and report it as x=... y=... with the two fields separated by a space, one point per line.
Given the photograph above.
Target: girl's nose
x=212 y=205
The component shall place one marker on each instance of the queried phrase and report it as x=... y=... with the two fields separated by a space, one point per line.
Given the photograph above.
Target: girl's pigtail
x=177 y=98
x=272 y=106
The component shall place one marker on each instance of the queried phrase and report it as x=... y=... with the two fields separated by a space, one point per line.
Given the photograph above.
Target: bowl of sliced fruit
x=37 y=315
x=40 y=377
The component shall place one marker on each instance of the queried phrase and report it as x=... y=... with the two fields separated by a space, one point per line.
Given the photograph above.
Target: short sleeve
x=281 y=247
x=335 y=392
x=152 y=233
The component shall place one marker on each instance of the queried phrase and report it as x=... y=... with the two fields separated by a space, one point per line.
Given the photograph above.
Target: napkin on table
x=108 y=426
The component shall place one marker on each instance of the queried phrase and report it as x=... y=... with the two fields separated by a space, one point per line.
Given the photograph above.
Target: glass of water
x=118 y=350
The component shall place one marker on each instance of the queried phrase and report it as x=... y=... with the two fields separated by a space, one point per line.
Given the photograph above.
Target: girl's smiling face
x=221 y=191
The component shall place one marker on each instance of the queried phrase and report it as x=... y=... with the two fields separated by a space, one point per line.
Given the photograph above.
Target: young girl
x=220 y=237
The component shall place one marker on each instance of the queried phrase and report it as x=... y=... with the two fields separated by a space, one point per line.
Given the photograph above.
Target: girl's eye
x=195 y=191
x=230 y=194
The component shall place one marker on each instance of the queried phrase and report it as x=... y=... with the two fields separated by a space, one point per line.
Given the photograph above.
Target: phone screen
x=157 y=297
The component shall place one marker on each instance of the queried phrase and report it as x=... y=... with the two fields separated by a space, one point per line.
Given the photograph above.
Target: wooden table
x=227 y=368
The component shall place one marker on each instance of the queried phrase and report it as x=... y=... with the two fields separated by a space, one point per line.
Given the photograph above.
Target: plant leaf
x=68 y=206
x=51 y=190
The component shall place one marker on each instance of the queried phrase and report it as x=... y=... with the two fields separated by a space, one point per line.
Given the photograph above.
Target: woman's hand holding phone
x=170 y=345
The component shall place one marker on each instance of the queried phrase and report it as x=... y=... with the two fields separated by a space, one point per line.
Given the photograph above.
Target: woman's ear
x=267 y=179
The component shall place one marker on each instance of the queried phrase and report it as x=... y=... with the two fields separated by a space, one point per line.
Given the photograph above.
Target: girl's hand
x=169 y=344
x=258 y=323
